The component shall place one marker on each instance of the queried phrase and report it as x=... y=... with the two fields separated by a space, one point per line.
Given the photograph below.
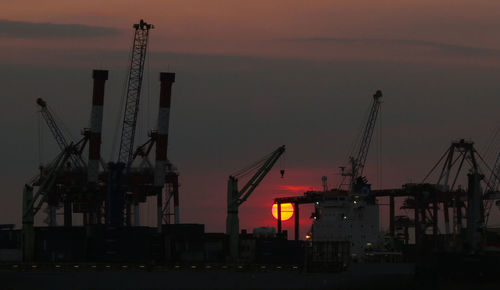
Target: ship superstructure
x=352 y=215
x=348 y=217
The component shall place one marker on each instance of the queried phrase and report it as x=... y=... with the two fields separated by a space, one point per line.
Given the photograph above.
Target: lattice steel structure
x=358 y=162
x=76 y=160
x=133 y=95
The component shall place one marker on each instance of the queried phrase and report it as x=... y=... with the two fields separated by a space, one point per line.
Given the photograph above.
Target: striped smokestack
x=100 y=77
x=166 y=81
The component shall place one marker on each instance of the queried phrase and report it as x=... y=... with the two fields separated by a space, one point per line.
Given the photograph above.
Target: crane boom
x=116 y=176
x=134 y=84
x=63 y=144
x=247 y=190
x=237 y=197
x=359 y=162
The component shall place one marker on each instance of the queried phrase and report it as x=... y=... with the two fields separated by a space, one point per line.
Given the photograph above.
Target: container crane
x=236 y=197
x=358 y=162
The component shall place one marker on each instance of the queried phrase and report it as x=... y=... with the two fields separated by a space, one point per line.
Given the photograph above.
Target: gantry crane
x=358 y=162
x=236 y=197
x=460 y=163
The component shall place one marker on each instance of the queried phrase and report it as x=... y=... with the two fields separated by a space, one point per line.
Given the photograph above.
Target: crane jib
x=358 y=161
x=134 y=85
x=76 y=160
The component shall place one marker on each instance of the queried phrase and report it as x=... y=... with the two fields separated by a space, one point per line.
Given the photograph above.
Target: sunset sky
x=251 y=76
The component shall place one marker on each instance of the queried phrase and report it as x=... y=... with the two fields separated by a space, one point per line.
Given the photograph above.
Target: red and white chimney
x=100 y=77
x=166 y=81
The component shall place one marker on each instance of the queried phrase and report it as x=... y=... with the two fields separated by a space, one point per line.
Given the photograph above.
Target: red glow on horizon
x=296 y=188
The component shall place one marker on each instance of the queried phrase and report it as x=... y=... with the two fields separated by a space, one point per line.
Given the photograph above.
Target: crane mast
x=236 y=197
x=118 y=172
x=358 y=162
x=134 y=84
x=63 y=144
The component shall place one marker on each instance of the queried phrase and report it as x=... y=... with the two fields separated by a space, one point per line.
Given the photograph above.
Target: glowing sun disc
x=286 y=211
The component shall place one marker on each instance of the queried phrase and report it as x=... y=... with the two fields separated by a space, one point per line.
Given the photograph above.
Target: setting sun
x=286 y=211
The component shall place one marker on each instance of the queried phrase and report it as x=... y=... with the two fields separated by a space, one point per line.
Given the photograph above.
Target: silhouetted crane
x=358 y=162
x=236 y=197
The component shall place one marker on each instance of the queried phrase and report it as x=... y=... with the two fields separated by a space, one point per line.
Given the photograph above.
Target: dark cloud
x=443 y=47
x=18 y=29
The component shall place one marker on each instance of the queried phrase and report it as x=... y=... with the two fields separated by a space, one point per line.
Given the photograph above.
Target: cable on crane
x=248 y=169
x=282 y=165
x=358 y=161
x=491 y=141
x=357 y=140
x=435 y=166
x=61 y=124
